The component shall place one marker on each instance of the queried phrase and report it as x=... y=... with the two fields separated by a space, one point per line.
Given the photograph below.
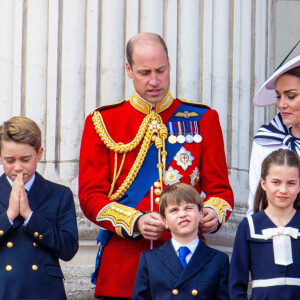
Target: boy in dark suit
x=37 y=218
x=184 y=267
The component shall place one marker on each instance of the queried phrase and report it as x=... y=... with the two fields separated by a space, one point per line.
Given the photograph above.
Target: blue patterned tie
x=183 y=252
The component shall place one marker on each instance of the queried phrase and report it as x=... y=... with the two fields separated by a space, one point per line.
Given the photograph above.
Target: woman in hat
x=282 y=88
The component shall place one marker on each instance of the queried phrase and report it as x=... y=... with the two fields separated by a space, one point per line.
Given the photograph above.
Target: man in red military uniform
x=131 y=151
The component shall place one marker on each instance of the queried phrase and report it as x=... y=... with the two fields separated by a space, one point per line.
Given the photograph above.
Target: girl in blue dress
x=267 y=244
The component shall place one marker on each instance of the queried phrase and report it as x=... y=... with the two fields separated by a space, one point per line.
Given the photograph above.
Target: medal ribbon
x=196 y=127
x=171 y=128
x=191 y=128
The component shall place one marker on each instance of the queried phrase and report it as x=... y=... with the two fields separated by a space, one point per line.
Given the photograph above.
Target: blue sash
x=145 y=178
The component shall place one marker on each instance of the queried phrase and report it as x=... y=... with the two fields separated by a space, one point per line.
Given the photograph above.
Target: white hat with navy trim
x=266 y=94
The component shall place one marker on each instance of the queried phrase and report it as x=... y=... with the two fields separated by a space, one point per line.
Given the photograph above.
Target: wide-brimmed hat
x=266 y=94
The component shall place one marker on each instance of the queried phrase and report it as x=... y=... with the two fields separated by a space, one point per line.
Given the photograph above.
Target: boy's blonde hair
x=21 y=130
x=178 y=193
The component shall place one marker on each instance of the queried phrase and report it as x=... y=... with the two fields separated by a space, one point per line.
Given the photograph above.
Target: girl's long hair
x=281 y=157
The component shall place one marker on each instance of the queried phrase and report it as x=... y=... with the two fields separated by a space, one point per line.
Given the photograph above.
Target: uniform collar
x=145 y=107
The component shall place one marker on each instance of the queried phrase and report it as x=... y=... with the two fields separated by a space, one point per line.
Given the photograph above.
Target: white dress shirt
x=192 y=246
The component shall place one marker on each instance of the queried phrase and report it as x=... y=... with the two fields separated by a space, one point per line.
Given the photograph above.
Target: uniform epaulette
x=194 y=103
x=100 y=108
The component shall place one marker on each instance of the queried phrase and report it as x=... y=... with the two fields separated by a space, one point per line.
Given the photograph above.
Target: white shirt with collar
x=192 y=246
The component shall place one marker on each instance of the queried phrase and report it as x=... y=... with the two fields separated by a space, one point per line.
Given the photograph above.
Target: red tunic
x=96 y=170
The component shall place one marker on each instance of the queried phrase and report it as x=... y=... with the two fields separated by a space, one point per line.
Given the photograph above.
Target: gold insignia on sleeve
x=120 y=216
x=220 y=206
x=186 y=114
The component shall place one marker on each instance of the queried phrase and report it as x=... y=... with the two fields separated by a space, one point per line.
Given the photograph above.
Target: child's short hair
x=176 y=193
x=281 y=157
x=21 y=130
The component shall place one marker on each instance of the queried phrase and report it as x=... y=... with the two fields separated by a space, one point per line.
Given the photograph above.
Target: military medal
x=197 y=136
x=189 y=138
x=172 y=138
x=195 y=177
x=172 y=176
x=184 y=158
x=180 y=137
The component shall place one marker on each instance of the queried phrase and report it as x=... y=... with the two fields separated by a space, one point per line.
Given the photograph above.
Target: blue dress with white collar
x=252 y=253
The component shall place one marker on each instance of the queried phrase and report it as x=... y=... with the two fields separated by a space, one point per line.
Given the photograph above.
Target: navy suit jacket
x=29 y=267
x=160 y=275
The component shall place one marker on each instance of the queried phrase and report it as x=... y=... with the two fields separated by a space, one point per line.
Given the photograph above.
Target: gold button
x=1 y=232
x=35 y=244
x=129 y=213
x=175 y=292
x=36 y=234
x=34 y=267
x=8 y=268
x=40 y=236
x=157 y=184
x=194 y=292
x=157 y=192
x=157 y=200
x=9 y=244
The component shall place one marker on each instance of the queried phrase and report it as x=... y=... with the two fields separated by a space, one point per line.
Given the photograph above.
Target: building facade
x=59 y=59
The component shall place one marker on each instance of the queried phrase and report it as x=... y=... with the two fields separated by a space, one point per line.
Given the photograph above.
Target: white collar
x=192 y=245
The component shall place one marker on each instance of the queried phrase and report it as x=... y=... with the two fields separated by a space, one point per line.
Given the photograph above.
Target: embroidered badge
x=186 y=114
x=137 y=103
x=195 y=177
x=172 y=176
x=184 y=158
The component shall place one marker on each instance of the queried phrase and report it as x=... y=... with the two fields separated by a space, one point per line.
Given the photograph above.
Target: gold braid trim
x=220 y=206
x=121 y=216
x=110 y=143
x=151 y=129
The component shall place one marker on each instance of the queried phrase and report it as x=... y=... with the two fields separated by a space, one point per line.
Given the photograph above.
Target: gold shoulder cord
x=151 y=129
